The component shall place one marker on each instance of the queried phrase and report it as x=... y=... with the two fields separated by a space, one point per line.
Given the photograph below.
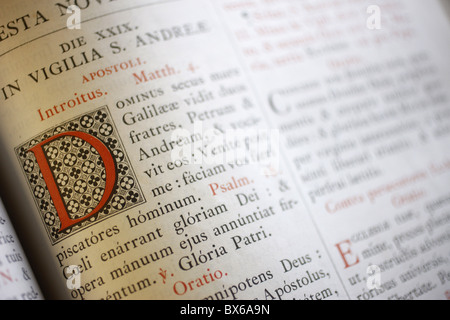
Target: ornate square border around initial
x=79 y=174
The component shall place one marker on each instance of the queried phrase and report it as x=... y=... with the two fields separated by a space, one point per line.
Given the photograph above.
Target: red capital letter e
x=47 y=174
x=346 y=253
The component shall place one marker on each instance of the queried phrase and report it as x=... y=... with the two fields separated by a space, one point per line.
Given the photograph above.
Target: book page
x=17 y=281
x=227 y=150
x=144 y=167
x=360 y=95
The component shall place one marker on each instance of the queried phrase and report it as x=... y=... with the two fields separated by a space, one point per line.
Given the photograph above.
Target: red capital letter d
x=53 y=189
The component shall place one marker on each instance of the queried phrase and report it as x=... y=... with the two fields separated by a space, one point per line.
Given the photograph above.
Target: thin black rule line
x=32 y=40
x=88 y=20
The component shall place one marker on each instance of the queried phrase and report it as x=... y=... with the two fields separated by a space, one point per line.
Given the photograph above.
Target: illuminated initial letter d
x=53 y=189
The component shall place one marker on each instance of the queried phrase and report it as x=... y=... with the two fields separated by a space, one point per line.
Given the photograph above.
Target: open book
x=212 y=149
